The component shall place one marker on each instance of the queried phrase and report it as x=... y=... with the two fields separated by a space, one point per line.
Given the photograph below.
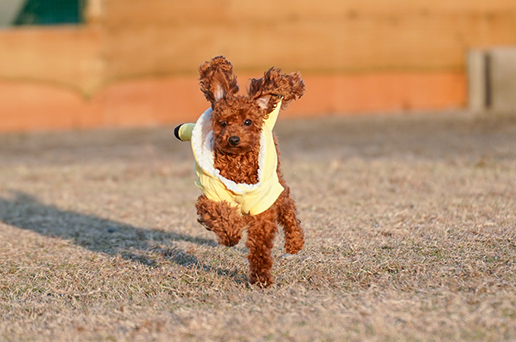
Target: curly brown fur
x=294 y=237
x=260 y=237
x=217 y=79
x=237 y=117
x=274 y=85
x=222 y=219
x=237 y=122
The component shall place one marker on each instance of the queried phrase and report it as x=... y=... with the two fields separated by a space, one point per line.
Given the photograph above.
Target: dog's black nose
x=233 y=141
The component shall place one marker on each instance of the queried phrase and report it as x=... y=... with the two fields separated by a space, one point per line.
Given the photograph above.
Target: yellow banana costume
x=251 y=199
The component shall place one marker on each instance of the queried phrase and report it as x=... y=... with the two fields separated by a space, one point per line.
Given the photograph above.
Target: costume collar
x=202 y=146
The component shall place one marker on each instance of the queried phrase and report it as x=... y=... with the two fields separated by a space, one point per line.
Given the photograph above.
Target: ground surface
x=410 y=235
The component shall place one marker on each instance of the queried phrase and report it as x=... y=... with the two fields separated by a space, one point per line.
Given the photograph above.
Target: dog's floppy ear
x=274 y=85
x=217 y=79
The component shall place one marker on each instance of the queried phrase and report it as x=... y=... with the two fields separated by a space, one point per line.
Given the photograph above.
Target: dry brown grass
x=410 y=226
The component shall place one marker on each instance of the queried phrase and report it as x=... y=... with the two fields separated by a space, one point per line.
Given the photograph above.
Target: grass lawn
x=409 y=221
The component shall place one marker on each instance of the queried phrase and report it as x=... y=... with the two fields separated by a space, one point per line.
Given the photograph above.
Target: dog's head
x=237 y=119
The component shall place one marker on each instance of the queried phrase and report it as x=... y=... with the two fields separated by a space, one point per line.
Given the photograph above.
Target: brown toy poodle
x=237 y=163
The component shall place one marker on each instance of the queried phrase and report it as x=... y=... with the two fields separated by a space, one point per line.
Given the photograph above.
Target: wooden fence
x=135 y=62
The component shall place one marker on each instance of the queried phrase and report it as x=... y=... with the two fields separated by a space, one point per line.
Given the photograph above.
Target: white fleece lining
x=202 y=145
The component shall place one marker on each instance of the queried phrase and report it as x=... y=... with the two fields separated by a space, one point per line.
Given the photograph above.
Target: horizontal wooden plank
x=66 y=55
x=134 y=38
x=169 y=100
x=122 y=12
x=413 y=43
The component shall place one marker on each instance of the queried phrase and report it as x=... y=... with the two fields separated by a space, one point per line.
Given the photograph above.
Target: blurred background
x=109 y=63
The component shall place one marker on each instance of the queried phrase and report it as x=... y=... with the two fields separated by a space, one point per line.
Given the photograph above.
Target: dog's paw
x=262 y=280
x=229 y=240
x=293 y=246
x=204 y=223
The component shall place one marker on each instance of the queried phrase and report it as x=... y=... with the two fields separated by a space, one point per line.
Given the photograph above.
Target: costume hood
x=252 y=199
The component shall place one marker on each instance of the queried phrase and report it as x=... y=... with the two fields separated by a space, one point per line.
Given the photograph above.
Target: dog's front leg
x=222 y=219
x=261 y=232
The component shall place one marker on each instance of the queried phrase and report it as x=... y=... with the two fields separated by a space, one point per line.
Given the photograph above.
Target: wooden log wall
x=135 y=62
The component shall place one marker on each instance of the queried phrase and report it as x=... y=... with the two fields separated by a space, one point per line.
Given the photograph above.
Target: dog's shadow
x=103 y=235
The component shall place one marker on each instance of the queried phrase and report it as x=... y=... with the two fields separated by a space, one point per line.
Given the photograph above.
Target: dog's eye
x=247 y=122
x=223 y=123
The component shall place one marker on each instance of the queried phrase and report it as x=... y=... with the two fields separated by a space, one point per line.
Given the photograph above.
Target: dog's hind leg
x=222 y=219
x=260 y=238
x=294 y=238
